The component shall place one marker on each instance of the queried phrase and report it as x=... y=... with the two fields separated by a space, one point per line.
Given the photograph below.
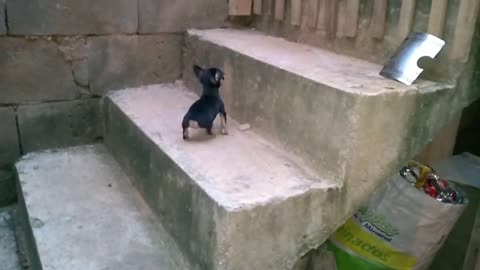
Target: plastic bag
x=401 y=227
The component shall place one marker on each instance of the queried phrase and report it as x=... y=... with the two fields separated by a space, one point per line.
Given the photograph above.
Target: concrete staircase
x=326 y=130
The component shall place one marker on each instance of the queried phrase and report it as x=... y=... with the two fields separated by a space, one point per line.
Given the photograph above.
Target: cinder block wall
x=58 y=57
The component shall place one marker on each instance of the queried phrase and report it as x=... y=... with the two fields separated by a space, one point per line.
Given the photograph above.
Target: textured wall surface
x=58 y=57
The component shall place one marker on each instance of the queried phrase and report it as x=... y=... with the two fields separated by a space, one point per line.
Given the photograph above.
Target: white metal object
x=403 y=65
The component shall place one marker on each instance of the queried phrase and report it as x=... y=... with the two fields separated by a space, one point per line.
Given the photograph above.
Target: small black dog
x=203 y=112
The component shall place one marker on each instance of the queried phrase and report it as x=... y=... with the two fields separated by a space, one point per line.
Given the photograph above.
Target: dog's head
x=210 y=77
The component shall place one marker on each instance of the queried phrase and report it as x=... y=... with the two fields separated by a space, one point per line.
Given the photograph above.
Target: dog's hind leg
x=223 y=118
x=209 y=130
x=185 y=125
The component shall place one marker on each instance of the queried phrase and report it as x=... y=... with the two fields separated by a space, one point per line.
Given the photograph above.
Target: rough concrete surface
x=124 y=61
x=9 y=146
x=232 y=202
x=330 y=109
x=177 y=16
x=3 y=26
x=8 y=247
x=71 y=17
x=84 y=214
x=59 y=124
x=337 y=71
x=34 y=70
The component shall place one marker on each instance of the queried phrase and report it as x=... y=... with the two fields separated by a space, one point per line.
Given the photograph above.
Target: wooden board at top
x=240 y=7
x=257 y=7
x=464 y=30
x=436 y=20
x=407 y=15
x=331 y=13
x=352 y=11
x=379 y=19
x=296 y=12
x=312 y=13
x=322 y=15
x=279 y=9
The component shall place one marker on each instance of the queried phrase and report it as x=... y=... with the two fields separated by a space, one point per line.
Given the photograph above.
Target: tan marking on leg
x=224 y=130
x=193 y=124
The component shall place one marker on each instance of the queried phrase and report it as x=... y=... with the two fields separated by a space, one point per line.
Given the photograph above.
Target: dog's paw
x=224 y=131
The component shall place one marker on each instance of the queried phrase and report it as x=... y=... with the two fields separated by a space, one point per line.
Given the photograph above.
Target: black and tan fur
x=203 y=112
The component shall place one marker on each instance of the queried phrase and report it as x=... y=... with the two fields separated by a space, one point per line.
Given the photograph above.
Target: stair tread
x=238 y=171
x=85 y=215
x=338 y=71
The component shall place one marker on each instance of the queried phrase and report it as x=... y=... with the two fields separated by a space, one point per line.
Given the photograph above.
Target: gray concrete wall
x=58 y=57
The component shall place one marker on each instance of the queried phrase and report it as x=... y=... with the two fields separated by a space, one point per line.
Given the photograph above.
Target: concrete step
x=348 y=122
x=78 y=211
x=9 y=259
x=232 y=202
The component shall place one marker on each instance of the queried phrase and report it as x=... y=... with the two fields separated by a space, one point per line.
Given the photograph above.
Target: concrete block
x=9 y=145
x=160 y=16
x=33 y=71
x=335 y=111
x=8 y=192
x=232 y=202
x=79 y=211
x=59 y=124
x=80 y=72
x=124 y=61
x=73 y=48
x=71 y=17
x=3 y=26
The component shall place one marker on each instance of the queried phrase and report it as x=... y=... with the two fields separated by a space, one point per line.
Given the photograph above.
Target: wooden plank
x=240 y=7
x=341 y=18
x=267 y=7
x=279 y=9
x=407 y=14
x=257 y=7
x=436 y=20
x=379 y=19
x=331 y=17
x=322 y=15
x=464 y=30
x=351 y=18
x=312 y=13
x=296 y=12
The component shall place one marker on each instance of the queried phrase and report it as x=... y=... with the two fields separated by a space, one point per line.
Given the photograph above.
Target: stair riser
x=185 y=211
x=270 y=236
x=311 y=119
x=356 y=138
x=24 y=234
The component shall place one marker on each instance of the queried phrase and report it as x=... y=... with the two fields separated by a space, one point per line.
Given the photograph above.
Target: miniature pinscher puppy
x=203 y=112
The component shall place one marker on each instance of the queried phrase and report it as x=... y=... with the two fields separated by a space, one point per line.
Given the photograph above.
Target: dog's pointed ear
x=198 y=71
